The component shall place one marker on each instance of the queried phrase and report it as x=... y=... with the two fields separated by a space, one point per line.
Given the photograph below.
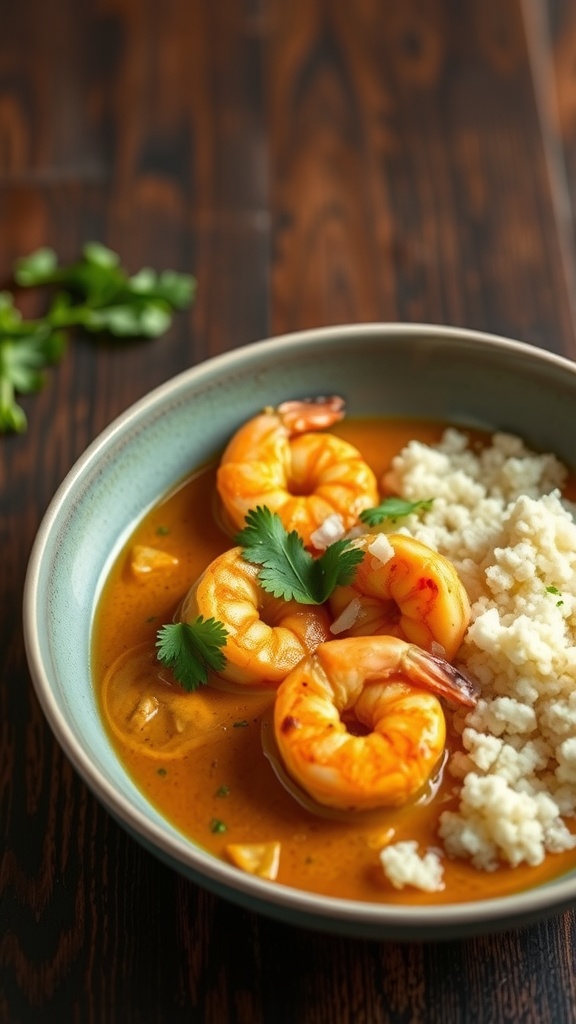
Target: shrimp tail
x=440 y=677
x=372 y=658
x=311 y=413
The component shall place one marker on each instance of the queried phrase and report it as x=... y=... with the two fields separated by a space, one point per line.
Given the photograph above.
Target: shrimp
x=267 y=636
x=384 y=685
x=404 y=588
x=277 y=459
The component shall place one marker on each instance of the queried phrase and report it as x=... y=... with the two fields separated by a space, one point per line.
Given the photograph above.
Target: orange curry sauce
x=228 y=782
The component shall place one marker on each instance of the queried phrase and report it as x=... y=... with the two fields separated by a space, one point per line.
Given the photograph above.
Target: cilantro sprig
x=94 y=294
x=288 y=570
x=192 y=649
x=394 y=508
x=26 y=349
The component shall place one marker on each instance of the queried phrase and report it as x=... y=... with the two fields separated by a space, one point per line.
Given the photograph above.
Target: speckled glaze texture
x=387 y=369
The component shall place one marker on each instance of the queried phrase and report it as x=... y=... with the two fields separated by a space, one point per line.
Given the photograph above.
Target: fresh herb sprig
x=191 y=650
x=394 y=508
x=288 y=570
x=94 y=294
x=26 y=349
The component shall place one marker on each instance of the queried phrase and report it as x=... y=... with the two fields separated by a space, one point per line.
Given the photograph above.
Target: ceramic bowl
x=432 y=372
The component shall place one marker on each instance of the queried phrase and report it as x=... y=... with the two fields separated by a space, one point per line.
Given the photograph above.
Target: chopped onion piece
x=262 y=859
x=348 y=617
x=144 y=559
x=381 y=548
x=437 y=650
x=331 y=530
x=145 y=710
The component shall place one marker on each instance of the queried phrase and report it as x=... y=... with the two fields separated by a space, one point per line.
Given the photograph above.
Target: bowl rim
x=303 y=908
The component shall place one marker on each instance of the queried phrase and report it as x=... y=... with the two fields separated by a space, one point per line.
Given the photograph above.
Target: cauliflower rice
x=498 y=515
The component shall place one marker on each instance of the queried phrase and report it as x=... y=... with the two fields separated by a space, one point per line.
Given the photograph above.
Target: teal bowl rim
x=284 y=903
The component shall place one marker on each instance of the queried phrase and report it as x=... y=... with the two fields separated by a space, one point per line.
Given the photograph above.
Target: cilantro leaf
x=26 y=348
x=95 y=294
x=192 y=649
x=288 y=570
x=35 y=269
x=174 y=289
x=394 y=508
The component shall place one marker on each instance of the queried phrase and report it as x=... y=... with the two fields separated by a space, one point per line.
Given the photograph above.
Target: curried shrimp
x=267 y=636
x=279 y=459
x=387 y=686
x=404 y=588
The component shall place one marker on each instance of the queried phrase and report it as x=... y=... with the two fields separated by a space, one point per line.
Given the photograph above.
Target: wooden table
x=311 y=162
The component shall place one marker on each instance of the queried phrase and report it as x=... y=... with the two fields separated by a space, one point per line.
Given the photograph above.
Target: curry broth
x=228 y=782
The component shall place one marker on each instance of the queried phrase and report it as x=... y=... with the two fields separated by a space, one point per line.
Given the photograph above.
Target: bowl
x=394 y=369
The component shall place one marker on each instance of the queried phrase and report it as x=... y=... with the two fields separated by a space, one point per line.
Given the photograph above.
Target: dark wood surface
x=311 y=162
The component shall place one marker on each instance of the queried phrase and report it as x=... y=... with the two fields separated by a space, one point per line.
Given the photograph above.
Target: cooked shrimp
x=267 y=636
x=277 y=459
x=384 y=685
x=404 y=588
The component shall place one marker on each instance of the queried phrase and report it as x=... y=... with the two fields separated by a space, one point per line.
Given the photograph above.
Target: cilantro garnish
x=26 y=349
x=192 y=649
x=218 y=826
x=556 y=593
x=288 y=570
x=94 y=294
x=394 y=508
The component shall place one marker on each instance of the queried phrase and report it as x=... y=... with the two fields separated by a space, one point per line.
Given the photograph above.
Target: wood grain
x=407 y=182
x=313 y=162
